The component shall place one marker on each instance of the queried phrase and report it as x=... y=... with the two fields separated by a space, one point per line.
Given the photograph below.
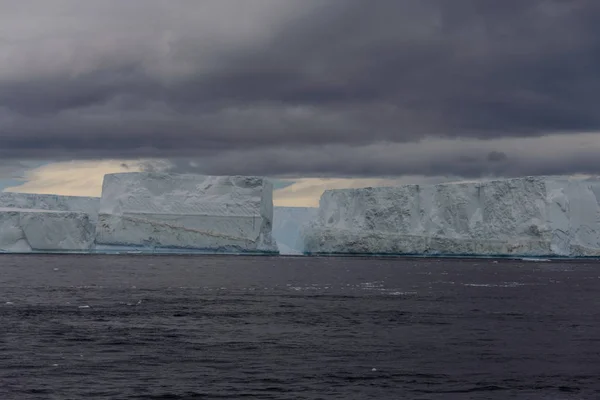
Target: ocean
x=232 y=327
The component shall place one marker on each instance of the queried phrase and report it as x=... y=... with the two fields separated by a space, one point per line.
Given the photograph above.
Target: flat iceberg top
x=193 y=212
x=50 y=202
x=542 y=215
x=183 y=194
x=34 y=210
x=463 y=183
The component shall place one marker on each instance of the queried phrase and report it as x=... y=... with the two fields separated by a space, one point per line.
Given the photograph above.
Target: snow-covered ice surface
x=532 y=216
x=51 y=202
x=47 y=223
x=29 y=230
x=287 y=223
x=161 y=212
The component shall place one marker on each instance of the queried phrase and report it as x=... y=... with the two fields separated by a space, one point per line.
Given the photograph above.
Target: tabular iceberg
x=287 y=224
x=29 y=230
x=533 y=216
x=51 y=202
x=47 y=223
x=161 y=212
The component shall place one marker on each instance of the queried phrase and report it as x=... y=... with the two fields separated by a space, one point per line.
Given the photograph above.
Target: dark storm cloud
x=551 y=155
x=496 y=156
x=197 y=80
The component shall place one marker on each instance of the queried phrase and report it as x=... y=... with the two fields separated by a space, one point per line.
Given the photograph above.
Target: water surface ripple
x=207 y=327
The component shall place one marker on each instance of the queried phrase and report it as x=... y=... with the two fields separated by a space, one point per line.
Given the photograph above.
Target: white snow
x=162 y=212
x=159 y=212
x=532 y=216
x=46 y=222
x=287 y=223
x=28 y=230
x=52 y=202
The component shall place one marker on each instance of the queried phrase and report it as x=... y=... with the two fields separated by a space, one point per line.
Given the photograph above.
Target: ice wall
x=162 y=212
x=533 y=216
x=28 y=230
x=51 y=202
x=47 y=223
x=287 y=224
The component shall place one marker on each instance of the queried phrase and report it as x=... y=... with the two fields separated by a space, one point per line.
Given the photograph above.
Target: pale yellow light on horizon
x=306 y=192
x=84 y=178
x=73 y=178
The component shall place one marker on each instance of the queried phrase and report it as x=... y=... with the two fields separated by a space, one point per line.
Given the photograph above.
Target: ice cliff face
x=28 y=230
x=149 y=212
x=47 y=223
x=161 y=212
x=51 y=202
x=287 y=224
x=534 y=216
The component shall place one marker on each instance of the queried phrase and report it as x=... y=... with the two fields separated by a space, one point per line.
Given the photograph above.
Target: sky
x=315 y=94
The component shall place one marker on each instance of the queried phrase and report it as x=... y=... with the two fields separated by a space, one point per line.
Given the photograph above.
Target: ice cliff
x=51 y=202
x=47 y=223
x=287 y=224
x=533 y=216
x=161 y=212
x=157 y=212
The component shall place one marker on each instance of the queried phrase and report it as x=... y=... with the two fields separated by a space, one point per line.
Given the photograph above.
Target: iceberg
x=145 y=212
x=531 y=216
x=47 y=223
x=287 y=224
x=30 y=230
x=162 y=212
x=51 y=202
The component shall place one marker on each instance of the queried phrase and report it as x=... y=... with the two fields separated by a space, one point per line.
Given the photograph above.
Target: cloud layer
x=317 y=87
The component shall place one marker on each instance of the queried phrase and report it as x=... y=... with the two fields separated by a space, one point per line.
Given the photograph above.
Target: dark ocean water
x=204 y=327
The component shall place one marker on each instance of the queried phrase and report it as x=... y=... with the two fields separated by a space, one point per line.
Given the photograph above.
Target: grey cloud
x=507 y=157
x=496 y=156
x=263 y=87
x=14 y=170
